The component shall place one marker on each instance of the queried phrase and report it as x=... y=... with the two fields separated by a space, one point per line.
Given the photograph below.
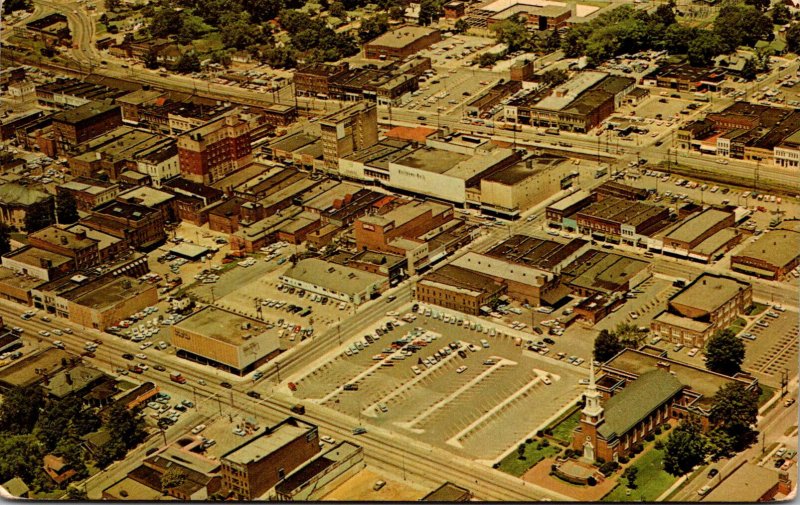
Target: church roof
x=636 y=401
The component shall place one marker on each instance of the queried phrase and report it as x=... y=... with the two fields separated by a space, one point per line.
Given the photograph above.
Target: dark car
x=226 y=385
x=712 y=473
x=127 y=355
x=780 y=463
x=538 y=330
x=254 y=394
x=549 y=341
x=421 y=118
x=160 y=368
x=462 y=354
x=415 y=307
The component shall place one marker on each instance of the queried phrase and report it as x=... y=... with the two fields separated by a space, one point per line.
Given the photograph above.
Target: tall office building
x=348 y=130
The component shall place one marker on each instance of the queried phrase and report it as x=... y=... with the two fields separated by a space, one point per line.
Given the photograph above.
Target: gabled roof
x=636 y=401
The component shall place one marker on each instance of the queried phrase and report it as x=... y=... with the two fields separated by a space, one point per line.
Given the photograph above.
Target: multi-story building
x=140 y=226
x=75 y=126
x=77 y=246
x=772 y=256
x=212 y=151
x=458 y=289
x=709 y=304
x=254 y=467
x=615 y=217
x=315 y=79
x=350 y=129
x=89 y=193
x=160 y=162
x=401 y=42
x=18 y=205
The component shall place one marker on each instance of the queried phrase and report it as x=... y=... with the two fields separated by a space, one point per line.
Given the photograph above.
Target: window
x=281 y=473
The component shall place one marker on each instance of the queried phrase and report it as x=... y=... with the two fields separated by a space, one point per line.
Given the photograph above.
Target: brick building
x=212 y=151
x=18 y=201
x=709 y=304
x=253 y=468
x=82 y=249
x=401 y=42
x=620 y=218
x=140 y=226
x=454 y=10
x=106 y=301
x=89 y=193
x=348 y=130
x=315 y=79
x=459 y=289
x=772 y=256
x=75 y=126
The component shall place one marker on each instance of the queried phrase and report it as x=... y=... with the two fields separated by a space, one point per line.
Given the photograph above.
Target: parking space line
x=454 y=395
x=455 y=440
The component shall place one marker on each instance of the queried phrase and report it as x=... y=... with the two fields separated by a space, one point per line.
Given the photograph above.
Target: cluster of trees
x=733 y=415
x=724 y=353
x=627 y=30
x=10 y=6
x=609 y=343
x=430 y=11
x=31 y=427
x=515 y=34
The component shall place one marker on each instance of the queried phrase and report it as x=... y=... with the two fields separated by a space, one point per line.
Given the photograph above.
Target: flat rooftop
x=219 y=324
x=709 y=292
x=681 y=322
x=570 y=200
x=23 y=371
x=401 y=37
x=147 y=196
x=433 y=160
x=402 y=214
x=62 y=238
x=544 y=254
x=103 y=293
x=332 y=276
x=84 y=112
x=33 y=256
x=749 y=483
x=267 y=443
x=777 y=247
x=601 y=271
x=696 y=225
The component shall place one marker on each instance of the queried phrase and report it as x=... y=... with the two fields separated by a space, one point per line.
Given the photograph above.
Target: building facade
x=212 y=151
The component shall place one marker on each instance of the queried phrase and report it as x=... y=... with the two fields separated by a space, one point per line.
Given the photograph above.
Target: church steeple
x=592 y=411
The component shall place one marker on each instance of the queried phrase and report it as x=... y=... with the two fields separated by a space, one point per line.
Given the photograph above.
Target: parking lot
x=457 y=51
x=471 y=399
x=642 y=306
x=774 y=348
x=446 y=91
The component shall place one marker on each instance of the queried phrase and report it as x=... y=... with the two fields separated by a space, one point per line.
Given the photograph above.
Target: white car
x=328 y=439
x=197 y=429
x=547 y=380
x=44 y=333
x=141 y=356
x=145 y=345
x=143 y=366
x=461 y=369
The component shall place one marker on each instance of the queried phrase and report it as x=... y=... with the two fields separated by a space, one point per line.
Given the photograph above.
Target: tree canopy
x=606 y=346
x=734 y=410
x=66 y=208
x=685 y=447
x=724 y=351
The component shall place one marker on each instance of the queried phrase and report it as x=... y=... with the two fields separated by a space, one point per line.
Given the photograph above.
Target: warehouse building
x=459 y=289
x=771 y=256
x=339 y=282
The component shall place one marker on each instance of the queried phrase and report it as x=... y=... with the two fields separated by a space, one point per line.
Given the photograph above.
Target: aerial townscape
x=399 y=250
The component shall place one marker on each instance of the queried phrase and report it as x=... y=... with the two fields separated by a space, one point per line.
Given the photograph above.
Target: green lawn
x=766 y=394
x=651 y=480
x=563 y=430
x=511 y=464
x=756 y=309
x=737 y=325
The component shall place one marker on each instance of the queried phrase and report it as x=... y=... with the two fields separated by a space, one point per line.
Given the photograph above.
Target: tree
x=665 y=13
x=150 y=59
x=720 y=444
x=397 y=13
x=521 y=451
x=606 y=346
x=279 y=57
x=685 y=448
x=461 y=26
x=761 y=5
x=172 y=477
x=725 y=352
x=781 y=14
x=5 y=238
x=113 y=5
x=793 y=38
x=553 y=41
x=165 y=21
x=20 y=456
x=263 y=10
x=373 y=27
x=704 y=47
x=110 y=452
x=10 y=6
x=630 y=475
x=429 y=12
x=734 y=409
x=554 y=77
x=238 y=31
x=188 y=63
x=125 y=425
x=513 y=33
x=337 y=10
x=104 y=19
x=20 y=410
x=66 y=208
x=748 y=72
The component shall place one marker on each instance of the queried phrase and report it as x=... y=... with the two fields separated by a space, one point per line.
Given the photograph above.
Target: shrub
x=540 y=433
x=659 y=444
x=569 y=453
x=623 y=460
x=649 y=437
x=657 y=431
x=548 y=432
x=545 y=443
x=609 y=468
x=638 y=447
x=553 y=468
x=591 y=481
x=496 y=466
x=666 y=426
x=600 y=460
x=528 y=440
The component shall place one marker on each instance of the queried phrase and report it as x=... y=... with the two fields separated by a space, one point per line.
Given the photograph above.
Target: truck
x=299 y=409
x=177 y=377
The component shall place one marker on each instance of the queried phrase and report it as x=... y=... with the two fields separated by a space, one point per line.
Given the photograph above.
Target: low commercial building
x=83 y=250
x=401 y=42
x=562 y=213
x=684 y=77
x=771 y=256
x=338 y=282
x=319 y=476
x=752 y=483
x=618 y=190
x=224 y=339
x=709 y=304
x=75 y=126
x=701 y=237
x=449 y=492
x=89 y=193
x=104 y=302
x=250 y=470
x=140 y=226
x=18 y=202
x=459 y=289
x=598 y=272
x=392 y=266
x=38 y=263
x=631 y=222
x=315 y=79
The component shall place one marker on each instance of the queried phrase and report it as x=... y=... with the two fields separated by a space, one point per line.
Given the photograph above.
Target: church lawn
x=511 y=464
x=563 y=430
x=651 y=480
